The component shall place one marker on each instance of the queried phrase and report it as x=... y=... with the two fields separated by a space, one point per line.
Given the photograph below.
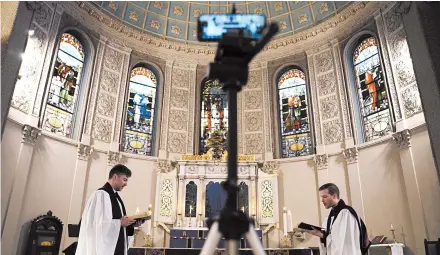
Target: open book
x=303 y=226
x=140 y=216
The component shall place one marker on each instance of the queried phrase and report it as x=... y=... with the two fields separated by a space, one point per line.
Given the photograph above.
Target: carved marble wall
x=104 y=118
x=31 y=68
x=400 y=58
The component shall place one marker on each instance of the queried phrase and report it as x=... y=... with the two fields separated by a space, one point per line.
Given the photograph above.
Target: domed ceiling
x=177 y=20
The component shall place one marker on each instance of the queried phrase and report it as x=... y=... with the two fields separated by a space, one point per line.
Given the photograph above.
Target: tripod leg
x=232 y=247
x=252 y=238
x=212 y=240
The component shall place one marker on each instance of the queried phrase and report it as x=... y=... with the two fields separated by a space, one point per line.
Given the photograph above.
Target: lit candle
x=137 y=211
x=149 y=210
x=242 y=208
x=289 y=221
x=392 y=228
x=190 y=210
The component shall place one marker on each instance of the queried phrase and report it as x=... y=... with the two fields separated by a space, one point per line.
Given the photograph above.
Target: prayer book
x=306 y=226
x=378 y=239
x=140 y=216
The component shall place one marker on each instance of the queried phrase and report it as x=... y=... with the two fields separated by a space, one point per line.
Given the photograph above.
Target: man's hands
x=139 y=223
x=125 y=221
x=315 y=232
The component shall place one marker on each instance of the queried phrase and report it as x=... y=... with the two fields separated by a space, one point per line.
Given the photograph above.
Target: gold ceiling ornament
x=175 y=30
x=178 y=10
x=278 y=6
x=303 y=17
x=155 y=24
x=158 y=5
x=323 y=8
x=283 y=25
x=258 y=10
x=113 y=5
x=134 y=16
x=197 y=13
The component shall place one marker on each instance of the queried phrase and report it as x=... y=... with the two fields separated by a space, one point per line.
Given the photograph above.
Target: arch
x=138 y=135
x=67 y=86
x=368 y=89
x=243 y=197
x=213 y=118
x=294 y=124
x=190 y=199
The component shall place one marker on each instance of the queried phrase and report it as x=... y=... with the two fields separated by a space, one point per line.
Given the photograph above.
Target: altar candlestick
x=285 y=221
x=289 y=221
x=242 y=208
x=137 y=211
x=392 y=228
x=190 y=210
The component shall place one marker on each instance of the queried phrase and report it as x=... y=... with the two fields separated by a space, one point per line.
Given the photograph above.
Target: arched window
x=191 y=199
x=59 y=115
x=214 y=118
x=371 y=90
x=296 y=139
x=139 y=123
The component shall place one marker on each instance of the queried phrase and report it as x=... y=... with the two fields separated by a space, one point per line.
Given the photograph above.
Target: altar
x=189 y=191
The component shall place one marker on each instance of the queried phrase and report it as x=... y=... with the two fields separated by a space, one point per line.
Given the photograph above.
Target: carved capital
x=30 y=134
x=165 y=166
x=253 y=178
x=269 y=167
x=113 y=158
x=321 y=161
x=84 y=151
x=201 y=178
x=402 y=139
x=181 y=178
x=351 y=155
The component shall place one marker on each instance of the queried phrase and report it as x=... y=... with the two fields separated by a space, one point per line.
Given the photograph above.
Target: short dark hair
x=332 y=189
x=119 y=169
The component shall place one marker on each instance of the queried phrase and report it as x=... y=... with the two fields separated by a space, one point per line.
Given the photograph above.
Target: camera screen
x=211 y=27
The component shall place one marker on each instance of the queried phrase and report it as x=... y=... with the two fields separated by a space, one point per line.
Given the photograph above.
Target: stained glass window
x=140 y=112
x=64 y=87
x=191 y=199
x=214 y=118
x=296 y=139
x=243 y=198
x=372 y=92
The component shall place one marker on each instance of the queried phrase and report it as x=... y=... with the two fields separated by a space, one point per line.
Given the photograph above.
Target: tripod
x=230 y=67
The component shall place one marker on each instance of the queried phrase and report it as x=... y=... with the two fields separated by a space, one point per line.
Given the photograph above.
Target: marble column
x=322 y=177
x=253 y=202
x=180 y=200
x=415 y=202
x=201 y=199
x=354 y=180
x=16 y=20
x=10 y=225
x=77 y=198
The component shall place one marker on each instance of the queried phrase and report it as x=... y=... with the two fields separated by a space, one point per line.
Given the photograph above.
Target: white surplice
x=99 y=232
x=344 y=238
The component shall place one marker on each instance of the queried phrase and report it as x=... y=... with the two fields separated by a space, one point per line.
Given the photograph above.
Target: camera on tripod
x=240 y=37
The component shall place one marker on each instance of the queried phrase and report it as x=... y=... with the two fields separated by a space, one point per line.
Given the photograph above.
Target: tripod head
x=231 y=68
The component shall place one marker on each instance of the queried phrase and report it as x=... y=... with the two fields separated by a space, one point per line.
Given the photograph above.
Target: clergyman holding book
x=105 y=228
x=343 y=231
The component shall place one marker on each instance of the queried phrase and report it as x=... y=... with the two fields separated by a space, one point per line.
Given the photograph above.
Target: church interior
x=346 y=92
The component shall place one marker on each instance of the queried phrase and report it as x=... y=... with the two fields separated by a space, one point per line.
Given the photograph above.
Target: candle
x=242 y=208
x=137 y=211
x=190 y=210
x=289 y=221
x=149 y=210
x=284 y=222
x=148 y=231
x=392 y=228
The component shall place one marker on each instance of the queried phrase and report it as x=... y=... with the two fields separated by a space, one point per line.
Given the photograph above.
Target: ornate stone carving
x=178 y=119
x=180 y=78
x=329 y=107
x=84 y=151
x=191 y=111
x=398 y=44
x=165 y=166
x=166 y=198
x=113 y=59
x=166 y=104
x=392 y=21
x=267 y=203
x=412 y=103
x=176 y=142
x=102 y=129
x=43 y=16
x=254 y=121
x=109 y=81
x=324 y=61
x=252 y=100
x=106 y=105
x=351 y=155
x=113 y=158
x=326 y=84
x=332 y=131
x=254 y=80
x=313 y=88
x=243 y=170
x=269 y=167
x=30 y=134
x=321 y=161
x=192 y=169
x=217 y=170
x=405 y=72
x=402 y=139
x=179 y=98
x=254 y=143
